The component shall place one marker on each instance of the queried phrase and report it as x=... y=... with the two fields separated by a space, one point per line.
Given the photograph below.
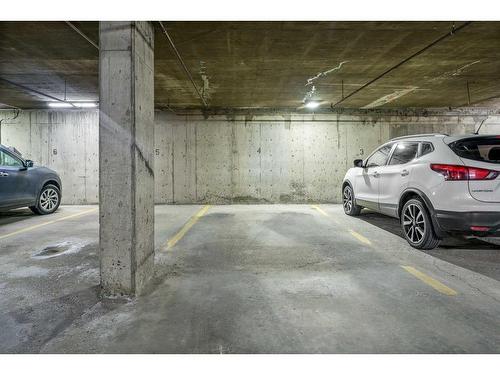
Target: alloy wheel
x=347 y=199
x=414 y=223
x=49 y=199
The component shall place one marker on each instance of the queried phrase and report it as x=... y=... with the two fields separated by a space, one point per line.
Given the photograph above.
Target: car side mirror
x=358 y=163
x=29 y=163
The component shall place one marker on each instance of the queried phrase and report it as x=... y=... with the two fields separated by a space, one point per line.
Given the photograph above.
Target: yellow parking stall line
x=440 y=287
x=192 y=221
x=356 y=235
x=319 y=209
x=360 y=237
x=27 y=229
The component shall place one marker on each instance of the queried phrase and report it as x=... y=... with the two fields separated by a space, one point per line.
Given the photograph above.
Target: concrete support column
x=126 y=142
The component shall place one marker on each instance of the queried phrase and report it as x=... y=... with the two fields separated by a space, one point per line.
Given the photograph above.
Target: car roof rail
x=420 y=136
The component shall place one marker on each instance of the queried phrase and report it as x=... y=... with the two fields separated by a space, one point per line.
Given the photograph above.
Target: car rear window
x=427 y=148
x=485 y=149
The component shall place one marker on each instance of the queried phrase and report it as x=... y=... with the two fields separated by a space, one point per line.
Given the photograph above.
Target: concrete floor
x=248 y=279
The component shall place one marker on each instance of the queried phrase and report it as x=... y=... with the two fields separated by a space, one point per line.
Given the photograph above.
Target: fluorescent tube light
x=84 y=104
x=73 y=105
x=60 y=105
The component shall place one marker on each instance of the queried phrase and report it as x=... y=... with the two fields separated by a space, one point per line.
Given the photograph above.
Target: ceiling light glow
x=60 y=105
x=312 y=104
x=84 y=104
x=73 y=105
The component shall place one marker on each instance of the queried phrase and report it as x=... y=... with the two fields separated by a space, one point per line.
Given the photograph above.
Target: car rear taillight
x=480 y=229
x=461 y=172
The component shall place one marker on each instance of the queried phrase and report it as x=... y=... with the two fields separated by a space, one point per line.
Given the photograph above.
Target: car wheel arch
x=407 y=194
x=48 y=181
x=51 y=181
x=412 y=192
x=345 y=183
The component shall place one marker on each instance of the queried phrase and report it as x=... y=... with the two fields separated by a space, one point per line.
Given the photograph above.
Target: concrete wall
x=490 y=128
x=66 y=141
x=293 y=158
x=224 y=159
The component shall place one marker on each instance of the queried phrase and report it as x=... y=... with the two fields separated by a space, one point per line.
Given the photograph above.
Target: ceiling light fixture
x=312 y=104
x=73 y=105
x=84 y=104
x=60 y=105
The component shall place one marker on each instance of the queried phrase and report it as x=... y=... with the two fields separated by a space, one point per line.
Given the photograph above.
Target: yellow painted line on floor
x=319 y=209
x=360 y=237
x=192 y=221
x=27 y=229
x=440 y=287
x=356 y=235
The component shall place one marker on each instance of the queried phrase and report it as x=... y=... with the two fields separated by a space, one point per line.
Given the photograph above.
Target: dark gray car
x=24 y=185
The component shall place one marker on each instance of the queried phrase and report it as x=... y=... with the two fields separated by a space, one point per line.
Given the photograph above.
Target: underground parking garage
x=201 y=181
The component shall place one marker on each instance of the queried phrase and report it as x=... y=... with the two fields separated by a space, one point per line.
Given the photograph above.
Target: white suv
x=437 y=185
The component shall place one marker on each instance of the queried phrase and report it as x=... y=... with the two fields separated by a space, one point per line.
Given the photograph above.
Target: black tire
x=349 y=203
x=417 y=225
x=48 y=200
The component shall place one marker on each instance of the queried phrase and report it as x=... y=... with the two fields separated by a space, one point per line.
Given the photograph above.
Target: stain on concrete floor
x=60 y=248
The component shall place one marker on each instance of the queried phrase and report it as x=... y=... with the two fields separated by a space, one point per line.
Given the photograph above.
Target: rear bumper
x=461 y=222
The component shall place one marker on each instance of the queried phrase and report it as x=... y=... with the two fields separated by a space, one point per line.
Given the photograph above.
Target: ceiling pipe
x=35 y=91
x=445 y=36
x=82 y=34
x=182 y=63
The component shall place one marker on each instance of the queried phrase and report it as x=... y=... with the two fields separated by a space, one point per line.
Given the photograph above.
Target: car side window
x=7 y=160
x=379 y=157
x=427 y=148
x=404 y=153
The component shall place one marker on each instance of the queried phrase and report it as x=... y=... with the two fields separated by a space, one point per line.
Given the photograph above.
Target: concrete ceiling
x=267 y=64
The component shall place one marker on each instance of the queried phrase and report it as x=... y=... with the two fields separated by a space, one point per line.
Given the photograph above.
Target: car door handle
x=376 y=174
x=405 y=172
x=3 y=174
